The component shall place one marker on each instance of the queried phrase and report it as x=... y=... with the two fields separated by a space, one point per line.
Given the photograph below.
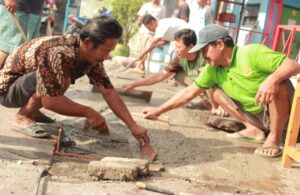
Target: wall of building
x=260 y=23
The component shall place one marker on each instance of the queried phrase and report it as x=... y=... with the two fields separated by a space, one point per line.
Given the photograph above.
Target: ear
x=190 y=46
x=88 y=43
x=220 y=44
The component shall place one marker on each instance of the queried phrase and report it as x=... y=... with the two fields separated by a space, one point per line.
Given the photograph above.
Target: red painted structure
x=273 y=19
x=249 y=36
x=286 y=43
x=278 y=4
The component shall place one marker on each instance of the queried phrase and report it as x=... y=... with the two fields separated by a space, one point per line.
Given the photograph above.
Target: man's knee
x=285 y=91
x=20 y=91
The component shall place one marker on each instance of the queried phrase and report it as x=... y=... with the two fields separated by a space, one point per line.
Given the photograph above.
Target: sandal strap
x=272 y=147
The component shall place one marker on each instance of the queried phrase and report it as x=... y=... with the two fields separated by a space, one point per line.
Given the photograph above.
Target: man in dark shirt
x=40 y=71
x=182 y=10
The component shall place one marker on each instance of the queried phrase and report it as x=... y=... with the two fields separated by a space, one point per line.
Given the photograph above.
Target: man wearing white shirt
x=164 y=31
x=145 y=36
x=201 y=14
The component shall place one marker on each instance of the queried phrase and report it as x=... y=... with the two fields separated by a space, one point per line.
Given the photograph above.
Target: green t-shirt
x=250 y=66
x=191 y=68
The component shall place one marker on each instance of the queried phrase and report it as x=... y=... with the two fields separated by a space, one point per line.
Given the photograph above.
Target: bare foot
x=22 y=121
x=271 y=147
x=269 y=151
x=254 y=133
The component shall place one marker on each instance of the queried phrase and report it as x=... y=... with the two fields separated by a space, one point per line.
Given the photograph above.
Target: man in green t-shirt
x=250 y=83
x=185 y=66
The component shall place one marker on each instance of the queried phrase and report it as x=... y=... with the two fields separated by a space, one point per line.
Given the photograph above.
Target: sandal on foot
x=36 y=131
x=278 y=154
x=43 y=119
x=33 y=130
x=238 y=135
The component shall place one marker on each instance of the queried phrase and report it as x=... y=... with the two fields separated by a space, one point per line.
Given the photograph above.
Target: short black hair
x=228 y=41
x=147 y=19
x=188 y=36
x=100 y=28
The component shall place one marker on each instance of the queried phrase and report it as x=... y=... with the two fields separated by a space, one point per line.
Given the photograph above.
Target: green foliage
x=125 y=11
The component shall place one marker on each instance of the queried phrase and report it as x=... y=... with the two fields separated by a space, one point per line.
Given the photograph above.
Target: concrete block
x=143 y=165
x=112 y=170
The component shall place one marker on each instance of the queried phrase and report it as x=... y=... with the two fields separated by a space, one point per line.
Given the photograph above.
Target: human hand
x=140 y=133
x=96 y=121
x=151 y=112
x=266 y=92
x=128 y=87
x=11 y=5
x=219 y=111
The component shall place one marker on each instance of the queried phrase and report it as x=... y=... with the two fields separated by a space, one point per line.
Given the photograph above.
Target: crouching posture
x=40 y=71
x=251 y=83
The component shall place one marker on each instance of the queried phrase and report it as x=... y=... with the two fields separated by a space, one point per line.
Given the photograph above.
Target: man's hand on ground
x=150 y=112
x=128 y=87
x=96 y=121
x=140 y=133
x=11 y=5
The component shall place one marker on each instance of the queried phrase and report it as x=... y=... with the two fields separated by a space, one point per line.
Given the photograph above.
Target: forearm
x=285 y=71
x=181 y=98
x=149 y=49
x=117 y=105
x=65 y=106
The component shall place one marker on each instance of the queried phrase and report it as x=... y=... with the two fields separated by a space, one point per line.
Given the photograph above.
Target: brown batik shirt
x=55 y=60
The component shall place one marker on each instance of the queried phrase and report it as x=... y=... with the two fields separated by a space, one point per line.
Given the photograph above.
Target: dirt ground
x=197 y=159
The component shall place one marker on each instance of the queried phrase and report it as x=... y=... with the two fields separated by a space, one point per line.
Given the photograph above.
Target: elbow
x=47 y=102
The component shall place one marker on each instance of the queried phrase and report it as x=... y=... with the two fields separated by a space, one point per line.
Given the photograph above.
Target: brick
x=143 y=165
x=112 y=171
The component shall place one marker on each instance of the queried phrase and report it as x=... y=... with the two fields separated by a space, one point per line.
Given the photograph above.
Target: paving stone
x=225 y=123
x=143 y=165
x=109 y=170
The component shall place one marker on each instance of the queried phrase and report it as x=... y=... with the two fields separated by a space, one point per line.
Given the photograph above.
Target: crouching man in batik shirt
x=39 y=72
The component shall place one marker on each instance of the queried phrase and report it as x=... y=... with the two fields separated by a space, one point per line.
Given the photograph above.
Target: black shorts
x=20 y=91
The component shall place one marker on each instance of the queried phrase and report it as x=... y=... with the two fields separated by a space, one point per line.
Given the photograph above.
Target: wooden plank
x=141 y=94
x=292 y=133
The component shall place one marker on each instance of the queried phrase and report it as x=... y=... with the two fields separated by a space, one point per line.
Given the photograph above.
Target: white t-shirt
x=167 y=28
x=158 y=13
x=199 y=17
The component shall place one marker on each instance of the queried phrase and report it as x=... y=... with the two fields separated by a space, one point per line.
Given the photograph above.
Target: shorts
x=10 y=36
x=20 y=91
x=262 y=119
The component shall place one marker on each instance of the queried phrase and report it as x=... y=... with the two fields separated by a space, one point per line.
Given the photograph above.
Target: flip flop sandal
x=44 y=119
x=238 y=135
x=36 y=131
x=33 y=130
x=278 y=154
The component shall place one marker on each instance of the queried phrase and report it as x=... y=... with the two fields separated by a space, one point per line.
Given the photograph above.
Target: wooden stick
x=151 y=188
x=72 y=155
x=129 y=65
x=59 y=139
x=19 y=26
